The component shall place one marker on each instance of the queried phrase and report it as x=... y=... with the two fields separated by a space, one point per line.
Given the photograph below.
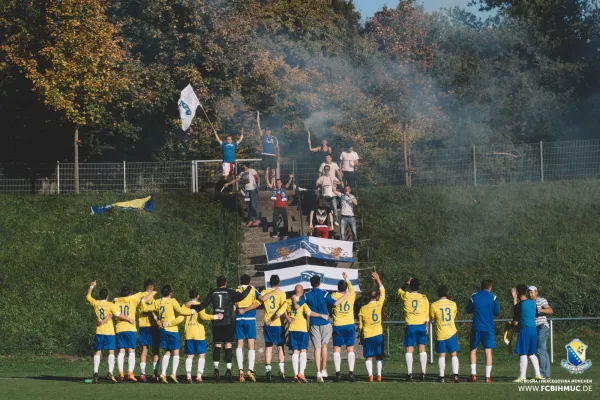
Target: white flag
x=188 y=102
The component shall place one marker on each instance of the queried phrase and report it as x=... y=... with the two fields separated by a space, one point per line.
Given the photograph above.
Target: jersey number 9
x=414 y=305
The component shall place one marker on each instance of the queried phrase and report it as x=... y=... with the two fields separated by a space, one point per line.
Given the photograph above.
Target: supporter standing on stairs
x=251 y=180
x=279 y=197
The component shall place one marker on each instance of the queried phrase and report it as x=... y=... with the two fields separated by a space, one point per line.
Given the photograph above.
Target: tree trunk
x=76 y=165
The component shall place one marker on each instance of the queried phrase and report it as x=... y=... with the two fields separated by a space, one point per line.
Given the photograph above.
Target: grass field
x=62 y=378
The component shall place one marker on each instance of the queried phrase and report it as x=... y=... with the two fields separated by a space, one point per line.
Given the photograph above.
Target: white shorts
x=228 y=169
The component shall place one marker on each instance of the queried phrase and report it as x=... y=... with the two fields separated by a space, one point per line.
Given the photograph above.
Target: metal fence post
x=542 y=161
x=58 y=177
x=430 y=342
x=388 y=341
x=474 y=167
x=193 y=175
x=551 y=343
x=124 y=178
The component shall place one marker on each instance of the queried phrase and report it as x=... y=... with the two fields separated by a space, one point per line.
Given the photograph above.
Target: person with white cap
x=543 y=329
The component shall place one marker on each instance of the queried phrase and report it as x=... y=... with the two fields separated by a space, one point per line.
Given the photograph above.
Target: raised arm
x=287 y=185
x=89 y=297
x=258 y=123
x=241 y=137
x=350 y=287
x=309 y=144
x=218 y=139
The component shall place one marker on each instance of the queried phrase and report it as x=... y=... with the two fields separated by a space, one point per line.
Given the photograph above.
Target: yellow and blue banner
x=146 y=204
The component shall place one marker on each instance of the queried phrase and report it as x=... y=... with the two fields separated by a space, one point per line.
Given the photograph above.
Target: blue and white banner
x=308 y=246
x=292 y=276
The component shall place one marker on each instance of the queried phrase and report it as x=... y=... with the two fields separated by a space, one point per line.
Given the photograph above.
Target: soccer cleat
x=154 y=378
x=519 y=380
x=351 y=376
x=302 y=379
x=198 y=379
x=95 y=378
x=456 y=379
x=111 y=378
x=121 y=377
x=371 y=378
x=324 y=374
x=268 y=377
x=143 y=378
x=320 y=379
x=228 y=375
x=488 y=379
x=251 y=376
x=539 y=378
x=131 y=377
x=441 y=379
x=189 y=380
x=409 y=378
x=281 y=376
x=422 y=377
x=174 y=378
x=242 y=376
x=216 y=375
x=473 y=378
x=163 y=379
x=338 y=377
x=379 y=379
x=296 y=379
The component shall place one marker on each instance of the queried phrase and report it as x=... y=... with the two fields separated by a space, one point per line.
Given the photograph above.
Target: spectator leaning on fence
x=543 y=330
x=348 y=202
x=251 y=180
x=279 y=197
x=229 y=147
x=349 y=160
x=327 y=182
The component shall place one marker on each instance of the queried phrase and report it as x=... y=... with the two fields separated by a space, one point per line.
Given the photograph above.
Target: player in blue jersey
x=229 y=147
x=484 y=307
x=524 y=320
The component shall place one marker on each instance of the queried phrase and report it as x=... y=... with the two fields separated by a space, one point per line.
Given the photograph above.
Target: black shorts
x=155 y=332
x=223 y=333
x=269 y=161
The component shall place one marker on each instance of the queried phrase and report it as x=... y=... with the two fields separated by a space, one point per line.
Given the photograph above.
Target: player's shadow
x=74 y=379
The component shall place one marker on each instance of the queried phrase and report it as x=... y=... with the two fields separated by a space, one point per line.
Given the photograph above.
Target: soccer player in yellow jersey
x=443 y=312
x=127 y=305
x=245 y=328
x=148 y=333
x=275 y=307
x=170 y=341
x=370 y=325
x=416 y=315
x=105 y=330
x=298 y=330
x=344 y=330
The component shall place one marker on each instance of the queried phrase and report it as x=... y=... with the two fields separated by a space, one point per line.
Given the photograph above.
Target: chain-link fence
x=467 y=166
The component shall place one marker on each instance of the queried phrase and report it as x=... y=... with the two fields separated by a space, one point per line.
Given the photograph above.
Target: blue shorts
x=169 y=340
x=245 y=328
x=126 y=340
x=298 y=340
x=145 y=335
x=105 y=342
x=483 y=336
x=344 y=335
x=527 y=341
x=415 y=334
x=373 y=346
x=195 y=347
x=273 y=335
x=449 y=345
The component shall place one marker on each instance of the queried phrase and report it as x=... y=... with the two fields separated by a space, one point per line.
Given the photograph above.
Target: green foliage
x=51 y=248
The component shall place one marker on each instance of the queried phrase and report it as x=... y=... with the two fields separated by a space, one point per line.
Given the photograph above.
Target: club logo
x=183 y=105
x=576 y=362
x=306 y=275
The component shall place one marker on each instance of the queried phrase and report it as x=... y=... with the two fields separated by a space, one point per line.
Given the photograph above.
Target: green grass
x=59 y=378
x=51 y=248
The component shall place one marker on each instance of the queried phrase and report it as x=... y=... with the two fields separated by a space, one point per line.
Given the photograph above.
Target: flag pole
x=208 y=119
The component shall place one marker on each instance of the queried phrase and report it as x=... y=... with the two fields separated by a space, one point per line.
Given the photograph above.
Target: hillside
x=51 y=248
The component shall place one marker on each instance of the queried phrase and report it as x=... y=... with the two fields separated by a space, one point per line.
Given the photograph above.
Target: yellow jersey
x=127 y=306
x=247 y=302
x=275 y=305
x=145 y=318
x=166 y=309
x=370 y=317
x=194 y=328
x=416 y=307
x=443 y=312
x=102 y=308
x=343 y=313
x=300 y=316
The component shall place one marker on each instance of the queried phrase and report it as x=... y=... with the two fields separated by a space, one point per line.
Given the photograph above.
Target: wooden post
x=76 y=164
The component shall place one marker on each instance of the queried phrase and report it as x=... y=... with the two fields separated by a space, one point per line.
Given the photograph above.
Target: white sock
x=409 y=362
x=96 y=364
x=442 y=365
x=303 y=361
x=175 y=364
x=536 y=364
x=131 y=362
x=155 y=367
x=165 y=364
x=337 y=361
x=120 y=362
x=351 y=360
x=282 y=367
x=201 y=362
x=251 y=358
x=369 y=365
x=228 y=366
x=143 y=368
x=473 y=369
x=423 y=359
x=379 y=367
x=455 y=365
x=239 y=356
x=522 y=366
x=268 y=368
x=295 y=362
x=188 y=366
x=111 y=363
x=216 y=364
x=488 y=371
